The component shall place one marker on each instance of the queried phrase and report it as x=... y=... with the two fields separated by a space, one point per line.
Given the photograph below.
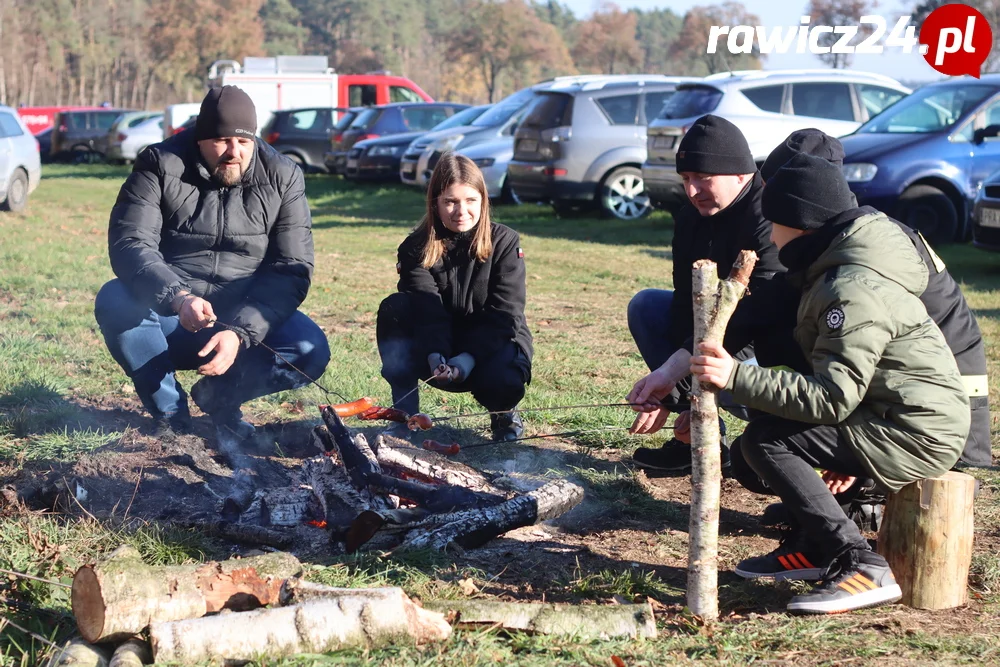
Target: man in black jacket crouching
x=211 y=225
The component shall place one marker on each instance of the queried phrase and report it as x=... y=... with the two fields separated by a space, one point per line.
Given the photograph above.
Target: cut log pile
x=390 y=494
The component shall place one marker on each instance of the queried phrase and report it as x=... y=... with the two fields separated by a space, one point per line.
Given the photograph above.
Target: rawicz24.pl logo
x=954 y=39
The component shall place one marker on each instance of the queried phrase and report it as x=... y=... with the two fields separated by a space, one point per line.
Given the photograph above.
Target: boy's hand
x=646 y=397
x=713 y=366
x=837 y=482
x=682 y=427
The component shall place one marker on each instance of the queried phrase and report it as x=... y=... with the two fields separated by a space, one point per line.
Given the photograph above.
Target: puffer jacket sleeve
x=134 y=236
x=854 y=327
x=282 y=281
x=505 y=302
x=433 y=324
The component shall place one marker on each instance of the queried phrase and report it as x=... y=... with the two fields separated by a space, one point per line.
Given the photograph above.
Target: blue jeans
x=150 y=347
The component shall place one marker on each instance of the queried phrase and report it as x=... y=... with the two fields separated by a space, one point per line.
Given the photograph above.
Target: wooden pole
x=926 y=537
x=714 y=303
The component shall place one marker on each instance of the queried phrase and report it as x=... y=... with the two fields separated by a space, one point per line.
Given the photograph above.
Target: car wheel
x=929 y=211
x=297 y=159
x=623 y=195
x=17 y=192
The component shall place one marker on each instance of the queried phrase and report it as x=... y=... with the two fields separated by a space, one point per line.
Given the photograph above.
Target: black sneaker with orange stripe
x=859 y=579
x=795 y=559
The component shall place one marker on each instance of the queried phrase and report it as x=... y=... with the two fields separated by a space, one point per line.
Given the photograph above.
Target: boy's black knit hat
x=809 y=141
x=713 y=145
x=226 y=112
x=805 y=193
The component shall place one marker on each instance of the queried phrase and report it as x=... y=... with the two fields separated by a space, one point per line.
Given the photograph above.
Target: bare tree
x=834 y=13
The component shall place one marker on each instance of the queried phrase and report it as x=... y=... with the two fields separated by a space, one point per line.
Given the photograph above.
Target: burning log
x=473 y=528
x=364 y=619
x=289 y=507
x=78 y=653
x=240 y=496
x=431 y=467
x=239 y=532
x=118 y=597
x=436 y=498
x=339 y=501
x=626 y=621
x=358 y=457
x=133 y=653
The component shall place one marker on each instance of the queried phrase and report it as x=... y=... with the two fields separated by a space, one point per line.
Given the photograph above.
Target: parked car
x=500 y=121
x=44 y=139
x=492 y=159
x=767 y=107
x=986 y=215
x=335 y=159
x=924 y=159
x=129 y=136
x=81 y=133
x=395 y=119
x=124 y=121
x=20 y=163
x=378 y=159
x=302 y=134
x=586 y=144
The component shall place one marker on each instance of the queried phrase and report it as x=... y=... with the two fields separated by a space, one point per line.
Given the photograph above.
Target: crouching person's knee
x=313 y=352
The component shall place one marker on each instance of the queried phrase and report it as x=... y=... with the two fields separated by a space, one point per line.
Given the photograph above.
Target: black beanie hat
x=713 y=145
x=226 y=112
x=805 y=193
x=809 y=141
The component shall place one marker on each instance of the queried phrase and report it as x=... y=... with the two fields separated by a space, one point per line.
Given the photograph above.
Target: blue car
x=923 y=159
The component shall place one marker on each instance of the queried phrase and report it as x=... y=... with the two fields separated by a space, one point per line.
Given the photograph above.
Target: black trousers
x=497 y=382
x=779 y=456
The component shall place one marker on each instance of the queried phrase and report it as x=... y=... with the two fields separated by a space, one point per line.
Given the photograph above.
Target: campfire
x=389 y=494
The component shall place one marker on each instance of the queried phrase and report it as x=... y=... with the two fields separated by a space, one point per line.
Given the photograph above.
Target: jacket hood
x=876 y=243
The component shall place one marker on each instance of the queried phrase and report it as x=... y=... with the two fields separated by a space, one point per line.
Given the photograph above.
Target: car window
x=345 y=121
x=654 y=103
x=365 y=119
x=877 y=98
x=73 y=121
x=929 y=109
x=138 y=120
x=401 y=94
x=9 y=127
x=103 y=120
x=550 y=110
x=305 y=120
x=692 y=101
x=361 y=96
x=460 y=118
x=505 y=109
x=822 y=100
x=423 y=117
x=766 y=98
x=620 y=109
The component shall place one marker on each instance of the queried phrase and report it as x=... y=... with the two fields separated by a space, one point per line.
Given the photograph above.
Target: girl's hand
x=713 y=366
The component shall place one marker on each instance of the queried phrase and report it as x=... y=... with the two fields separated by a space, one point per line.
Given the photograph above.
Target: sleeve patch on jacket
x=520 y=253
x=835 y=318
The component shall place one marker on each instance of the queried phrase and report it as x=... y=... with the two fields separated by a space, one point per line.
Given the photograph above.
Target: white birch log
x=714 y=303
x=584 y=622
x=289 y=507
x=473 y=528
x=78 y=653
x=432 y=467
x=318 y=626
x=133 y=653
x=118 y=597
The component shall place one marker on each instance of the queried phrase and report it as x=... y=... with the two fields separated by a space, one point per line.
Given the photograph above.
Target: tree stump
x=926 y=536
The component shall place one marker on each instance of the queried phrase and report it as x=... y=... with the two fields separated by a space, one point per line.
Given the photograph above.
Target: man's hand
x=646 y=397
x=837 y=482
x=194 y=312
x=682 y=427
x=226 y=345
x=713 y=366
x=440 y=370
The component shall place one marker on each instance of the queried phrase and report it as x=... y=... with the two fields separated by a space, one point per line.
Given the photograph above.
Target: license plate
x=989 y=217
x=409 y=171
x=528 y=145
x=664 y=142
x=352 y=163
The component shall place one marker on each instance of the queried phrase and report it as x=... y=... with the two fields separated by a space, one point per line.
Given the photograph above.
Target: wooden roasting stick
x=714 y=303
x=118 y=597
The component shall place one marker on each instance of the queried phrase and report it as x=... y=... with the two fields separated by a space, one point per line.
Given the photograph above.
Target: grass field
x=66 y=408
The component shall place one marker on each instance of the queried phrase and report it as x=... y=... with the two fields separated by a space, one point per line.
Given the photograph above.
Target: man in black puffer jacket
x=722 y=218
x=211 y=225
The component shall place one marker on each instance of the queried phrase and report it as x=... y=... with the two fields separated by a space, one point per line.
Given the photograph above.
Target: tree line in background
x=147 y=53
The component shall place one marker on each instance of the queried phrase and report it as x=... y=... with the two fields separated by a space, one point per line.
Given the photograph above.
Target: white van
x=175 y=115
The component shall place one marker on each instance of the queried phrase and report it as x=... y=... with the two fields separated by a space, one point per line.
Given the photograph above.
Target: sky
x=773 y=13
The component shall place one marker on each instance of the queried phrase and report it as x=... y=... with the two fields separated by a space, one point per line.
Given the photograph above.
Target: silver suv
x=585 y=144
x=767 y=107
x=20 y=163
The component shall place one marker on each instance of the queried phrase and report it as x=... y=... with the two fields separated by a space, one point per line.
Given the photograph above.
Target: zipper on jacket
x=220 y=232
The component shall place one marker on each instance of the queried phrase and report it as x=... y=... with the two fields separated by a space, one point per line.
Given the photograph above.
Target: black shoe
x=858 y=580
x=675 y=456
x=167 y=428
x=795 y=559
x=506 y=426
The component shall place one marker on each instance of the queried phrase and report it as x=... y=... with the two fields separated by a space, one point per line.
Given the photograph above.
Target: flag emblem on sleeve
x=520 y=253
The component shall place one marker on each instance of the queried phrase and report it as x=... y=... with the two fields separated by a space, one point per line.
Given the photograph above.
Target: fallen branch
x=318 y=626
x=632 y=621
x=118 y=597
